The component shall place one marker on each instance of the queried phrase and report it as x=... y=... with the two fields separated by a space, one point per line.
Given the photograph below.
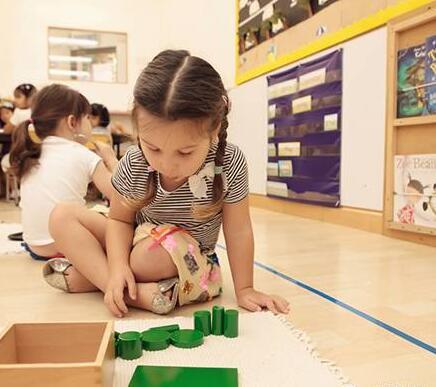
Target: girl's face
x=94 y=120
x=21 y=101
x=175 y=149
x=85 y=127
x=5 y=114
x=80 y=129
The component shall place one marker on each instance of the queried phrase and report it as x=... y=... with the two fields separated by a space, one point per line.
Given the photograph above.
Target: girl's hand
x=106 y=152
x=117 y=128
x=119 y=279
x=254 y=301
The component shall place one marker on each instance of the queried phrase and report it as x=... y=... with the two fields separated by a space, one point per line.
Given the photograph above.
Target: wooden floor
x=390 y=280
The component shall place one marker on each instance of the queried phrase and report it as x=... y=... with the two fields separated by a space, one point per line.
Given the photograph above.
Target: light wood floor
x=390 y=280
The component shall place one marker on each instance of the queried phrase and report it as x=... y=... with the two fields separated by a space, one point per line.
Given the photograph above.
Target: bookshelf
x=406 y=135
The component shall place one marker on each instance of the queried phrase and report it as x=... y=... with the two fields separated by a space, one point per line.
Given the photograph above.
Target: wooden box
x=57 y=354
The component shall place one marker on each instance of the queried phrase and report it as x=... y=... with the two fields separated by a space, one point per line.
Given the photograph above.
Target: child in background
x=6 y=111
x=52 y=164
x=174 y=190
x=22 y=99
x=100 y=120
x=23 y=95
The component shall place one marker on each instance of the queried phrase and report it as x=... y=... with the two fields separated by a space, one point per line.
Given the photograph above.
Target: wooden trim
x=106 y=340
x=411 y=236
x=412 y=228
x=409 y=21
x=366 y=220
x=409 y=121
x=390 y=137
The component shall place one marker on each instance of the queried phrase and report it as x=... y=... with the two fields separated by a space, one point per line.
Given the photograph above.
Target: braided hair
x=176 y=85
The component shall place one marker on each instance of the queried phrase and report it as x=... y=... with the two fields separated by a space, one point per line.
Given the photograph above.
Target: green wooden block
x=231 y=327
x=155 y=340
x=202 y=322
x=157 y=376
x=217 y=320
x=167 y=328
x=187 y=338
x=130 y=345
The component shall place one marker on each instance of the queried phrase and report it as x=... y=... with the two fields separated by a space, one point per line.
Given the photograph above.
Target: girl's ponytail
x=51 y=105
x=25 y=150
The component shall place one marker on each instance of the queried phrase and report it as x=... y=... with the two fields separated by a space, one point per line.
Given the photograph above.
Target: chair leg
x=12 y=188
x=16 y=190
x=8 y=196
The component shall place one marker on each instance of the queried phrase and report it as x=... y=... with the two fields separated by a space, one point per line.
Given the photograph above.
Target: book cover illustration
x=410 y=82
x=430 y=74
x=415 y=190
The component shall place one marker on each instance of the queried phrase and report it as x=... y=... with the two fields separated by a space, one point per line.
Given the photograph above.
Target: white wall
x=151 y=25
x=204 y=27
x=364 y=121
x=27 y=24
x=6 y=44
x=248 y=128
x=363 y=135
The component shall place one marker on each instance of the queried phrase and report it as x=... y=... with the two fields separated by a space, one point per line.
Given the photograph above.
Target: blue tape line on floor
x=350 y=308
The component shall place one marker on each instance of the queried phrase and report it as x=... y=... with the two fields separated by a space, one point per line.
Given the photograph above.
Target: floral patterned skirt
x=199 y=274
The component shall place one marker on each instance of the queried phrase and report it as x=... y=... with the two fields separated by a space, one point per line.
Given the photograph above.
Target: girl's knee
x=134 y=259
x=60 y=214
x=138 y=256
x=151 y=261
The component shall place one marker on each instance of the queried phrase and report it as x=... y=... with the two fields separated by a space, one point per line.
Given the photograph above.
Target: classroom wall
x=6 y=45
x=207 y=29
x=26 y=23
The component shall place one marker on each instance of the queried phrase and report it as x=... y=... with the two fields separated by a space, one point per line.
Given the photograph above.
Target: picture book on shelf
x=416 y=79
x=415 y=189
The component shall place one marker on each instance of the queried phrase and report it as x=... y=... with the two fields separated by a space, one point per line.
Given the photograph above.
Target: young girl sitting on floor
x=174 y=190
x=52 y=165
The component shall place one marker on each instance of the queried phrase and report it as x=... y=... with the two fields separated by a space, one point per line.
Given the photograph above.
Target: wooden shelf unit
x=406 y=136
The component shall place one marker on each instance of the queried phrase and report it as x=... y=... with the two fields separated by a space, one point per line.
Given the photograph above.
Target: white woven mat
x=268 y=352
x=7 y=246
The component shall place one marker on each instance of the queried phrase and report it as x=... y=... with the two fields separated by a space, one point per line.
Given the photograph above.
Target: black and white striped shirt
x=175 y=207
